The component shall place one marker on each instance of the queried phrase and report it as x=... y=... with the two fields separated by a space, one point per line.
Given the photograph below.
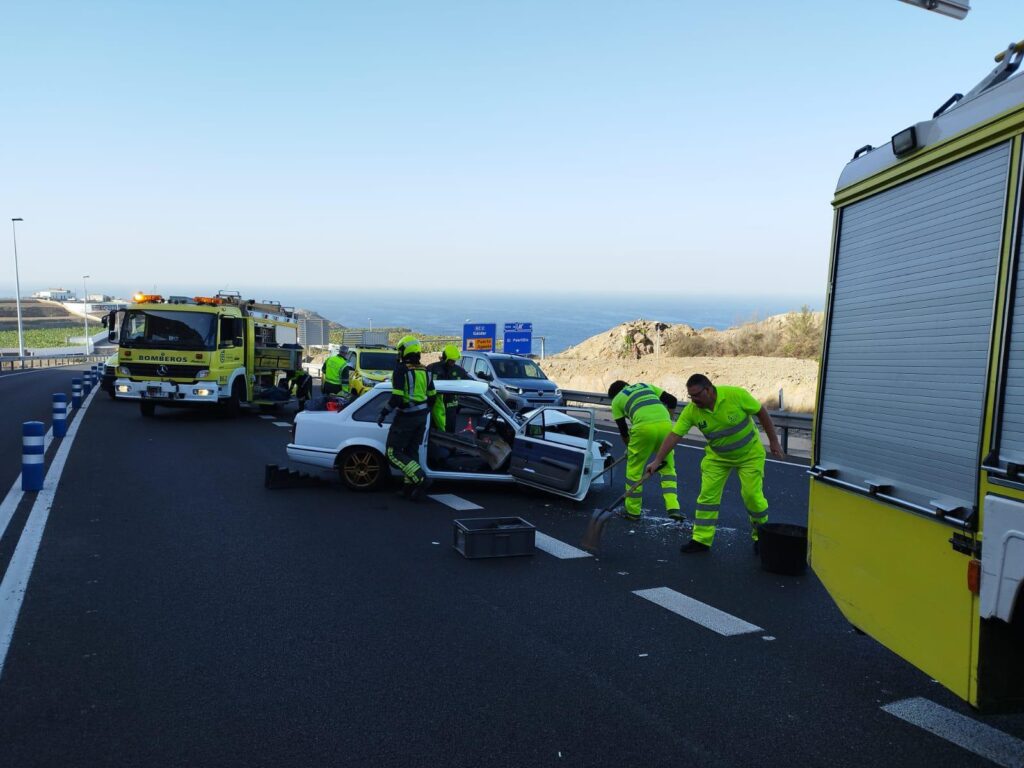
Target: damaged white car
x=551 y=448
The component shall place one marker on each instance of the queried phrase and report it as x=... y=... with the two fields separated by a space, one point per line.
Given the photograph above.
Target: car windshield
x=169 y=330
x=518 y=369
x=378 y=361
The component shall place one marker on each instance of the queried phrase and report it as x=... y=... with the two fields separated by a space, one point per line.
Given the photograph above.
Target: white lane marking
x=12 y=588
x=983 y=740
x=282 y=424
x=558 y=548
x=696 y=611
x=455 y=502
x=13 y=497
x=264 y=416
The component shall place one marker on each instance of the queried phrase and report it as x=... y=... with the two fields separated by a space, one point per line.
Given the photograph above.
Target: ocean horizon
x=563 y=321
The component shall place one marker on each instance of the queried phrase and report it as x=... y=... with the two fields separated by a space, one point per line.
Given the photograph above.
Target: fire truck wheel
x=147 y=409
x=362 y=469
x=233 y=405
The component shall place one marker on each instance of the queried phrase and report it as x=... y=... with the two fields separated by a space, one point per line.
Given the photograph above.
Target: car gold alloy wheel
x=362 y=469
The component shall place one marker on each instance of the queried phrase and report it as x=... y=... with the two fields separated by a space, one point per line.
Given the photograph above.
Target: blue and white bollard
x=76 y=393
x=60 y=414
x=86 y=384
x=32 y=448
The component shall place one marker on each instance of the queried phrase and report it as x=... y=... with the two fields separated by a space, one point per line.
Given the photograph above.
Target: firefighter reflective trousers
x=644 y=440
x=403 y=444
x=713 y=474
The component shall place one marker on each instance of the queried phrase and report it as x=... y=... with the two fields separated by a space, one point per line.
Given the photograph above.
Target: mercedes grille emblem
x=162 y=370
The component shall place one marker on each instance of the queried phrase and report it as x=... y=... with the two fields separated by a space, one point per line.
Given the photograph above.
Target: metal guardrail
x=28 y=362
x=783 y=420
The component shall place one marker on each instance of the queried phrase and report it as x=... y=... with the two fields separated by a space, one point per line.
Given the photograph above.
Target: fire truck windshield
x=169 y=330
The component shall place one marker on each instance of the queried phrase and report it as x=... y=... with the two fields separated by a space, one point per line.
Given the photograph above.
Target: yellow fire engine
x=219 y=350
x=917 y=489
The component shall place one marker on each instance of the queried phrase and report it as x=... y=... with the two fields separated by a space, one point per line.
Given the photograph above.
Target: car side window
x=370 y=410
x=481 y=366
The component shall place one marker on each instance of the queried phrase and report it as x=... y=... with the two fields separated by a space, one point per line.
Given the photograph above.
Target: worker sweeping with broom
x=723 y=415
x=650 y=422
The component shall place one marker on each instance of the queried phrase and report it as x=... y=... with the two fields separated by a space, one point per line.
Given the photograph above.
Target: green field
x=43 y=337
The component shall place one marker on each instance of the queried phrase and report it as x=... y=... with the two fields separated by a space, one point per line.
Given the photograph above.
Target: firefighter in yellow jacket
x=644 y=405
x=412 y=397
x=724 y=416
x=336 y=373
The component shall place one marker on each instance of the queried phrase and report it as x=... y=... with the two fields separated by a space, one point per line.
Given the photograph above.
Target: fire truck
x=204 y=351
x=917 y=479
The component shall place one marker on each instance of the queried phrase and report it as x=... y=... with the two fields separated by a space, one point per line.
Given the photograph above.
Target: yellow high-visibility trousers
x=644 y=441
x=714 y=471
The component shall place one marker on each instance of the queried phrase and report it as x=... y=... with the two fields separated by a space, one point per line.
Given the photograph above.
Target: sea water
x=562 y=320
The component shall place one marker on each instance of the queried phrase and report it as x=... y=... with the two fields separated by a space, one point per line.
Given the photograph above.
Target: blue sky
x=588 y=146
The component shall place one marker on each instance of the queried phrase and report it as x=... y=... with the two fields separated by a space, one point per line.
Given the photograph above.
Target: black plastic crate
x=493 y=537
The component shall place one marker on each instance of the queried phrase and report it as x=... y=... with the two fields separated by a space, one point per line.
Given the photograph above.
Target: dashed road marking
x=264 y=416
x=983 y=740
x=282 y=424
x=698 y=612
x=455 y=502
x=558 y=548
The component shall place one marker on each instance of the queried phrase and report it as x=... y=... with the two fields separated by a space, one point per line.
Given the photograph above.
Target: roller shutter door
x=910 y=332
x=1011 y=443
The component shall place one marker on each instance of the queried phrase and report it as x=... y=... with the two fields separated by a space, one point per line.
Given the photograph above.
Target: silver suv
x=517 y=380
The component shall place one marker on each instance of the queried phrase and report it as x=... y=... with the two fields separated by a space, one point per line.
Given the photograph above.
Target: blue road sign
x=518 y=338
x=479 y=337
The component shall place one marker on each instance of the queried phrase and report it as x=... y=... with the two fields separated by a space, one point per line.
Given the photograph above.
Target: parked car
x=517 y=380
x=547 y=448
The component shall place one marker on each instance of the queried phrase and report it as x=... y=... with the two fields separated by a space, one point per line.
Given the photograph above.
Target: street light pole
x=85 y=313
x=17 y=289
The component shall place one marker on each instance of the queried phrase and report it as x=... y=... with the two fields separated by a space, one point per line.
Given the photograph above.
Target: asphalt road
x=180 y=614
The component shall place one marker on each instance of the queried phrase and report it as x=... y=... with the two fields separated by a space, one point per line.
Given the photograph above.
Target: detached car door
x=552 y=460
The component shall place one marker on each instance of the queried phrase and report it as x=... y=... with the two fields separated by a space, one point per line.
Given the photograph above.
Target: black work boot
x=419 y=491
x=757 y=547
x=693 y=546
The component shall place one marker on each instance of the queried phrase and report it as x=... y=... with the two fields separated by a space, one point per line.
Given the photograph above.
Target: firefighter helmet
x=451 y=352
x=409 y=345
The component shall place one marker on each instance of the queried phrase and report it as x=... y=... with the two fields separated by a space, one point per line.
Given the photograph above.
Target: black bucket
x=783 y=548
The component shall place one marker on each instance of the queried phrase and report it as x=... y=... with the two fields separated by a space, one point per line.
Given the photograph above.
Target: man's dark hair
x=698 y=380
x=411 y=357
x=616 y=387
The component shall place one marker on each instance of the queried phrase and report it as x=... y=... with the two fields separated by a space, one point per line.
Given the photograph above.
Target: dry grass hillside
x=778 y=353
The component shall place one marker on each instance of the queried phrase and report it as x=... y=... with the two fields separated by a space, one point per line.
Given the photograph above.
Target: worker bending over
x=650 y=422
x=412 y=396
x=723 y=415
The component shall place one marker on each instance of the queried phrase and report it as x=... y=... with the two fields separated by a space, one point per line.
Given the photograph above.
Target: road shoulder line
x=15 y=581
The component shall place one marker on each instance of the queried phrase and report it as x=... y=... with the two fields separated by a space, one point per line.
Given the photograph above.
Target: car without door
x=553 y=449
